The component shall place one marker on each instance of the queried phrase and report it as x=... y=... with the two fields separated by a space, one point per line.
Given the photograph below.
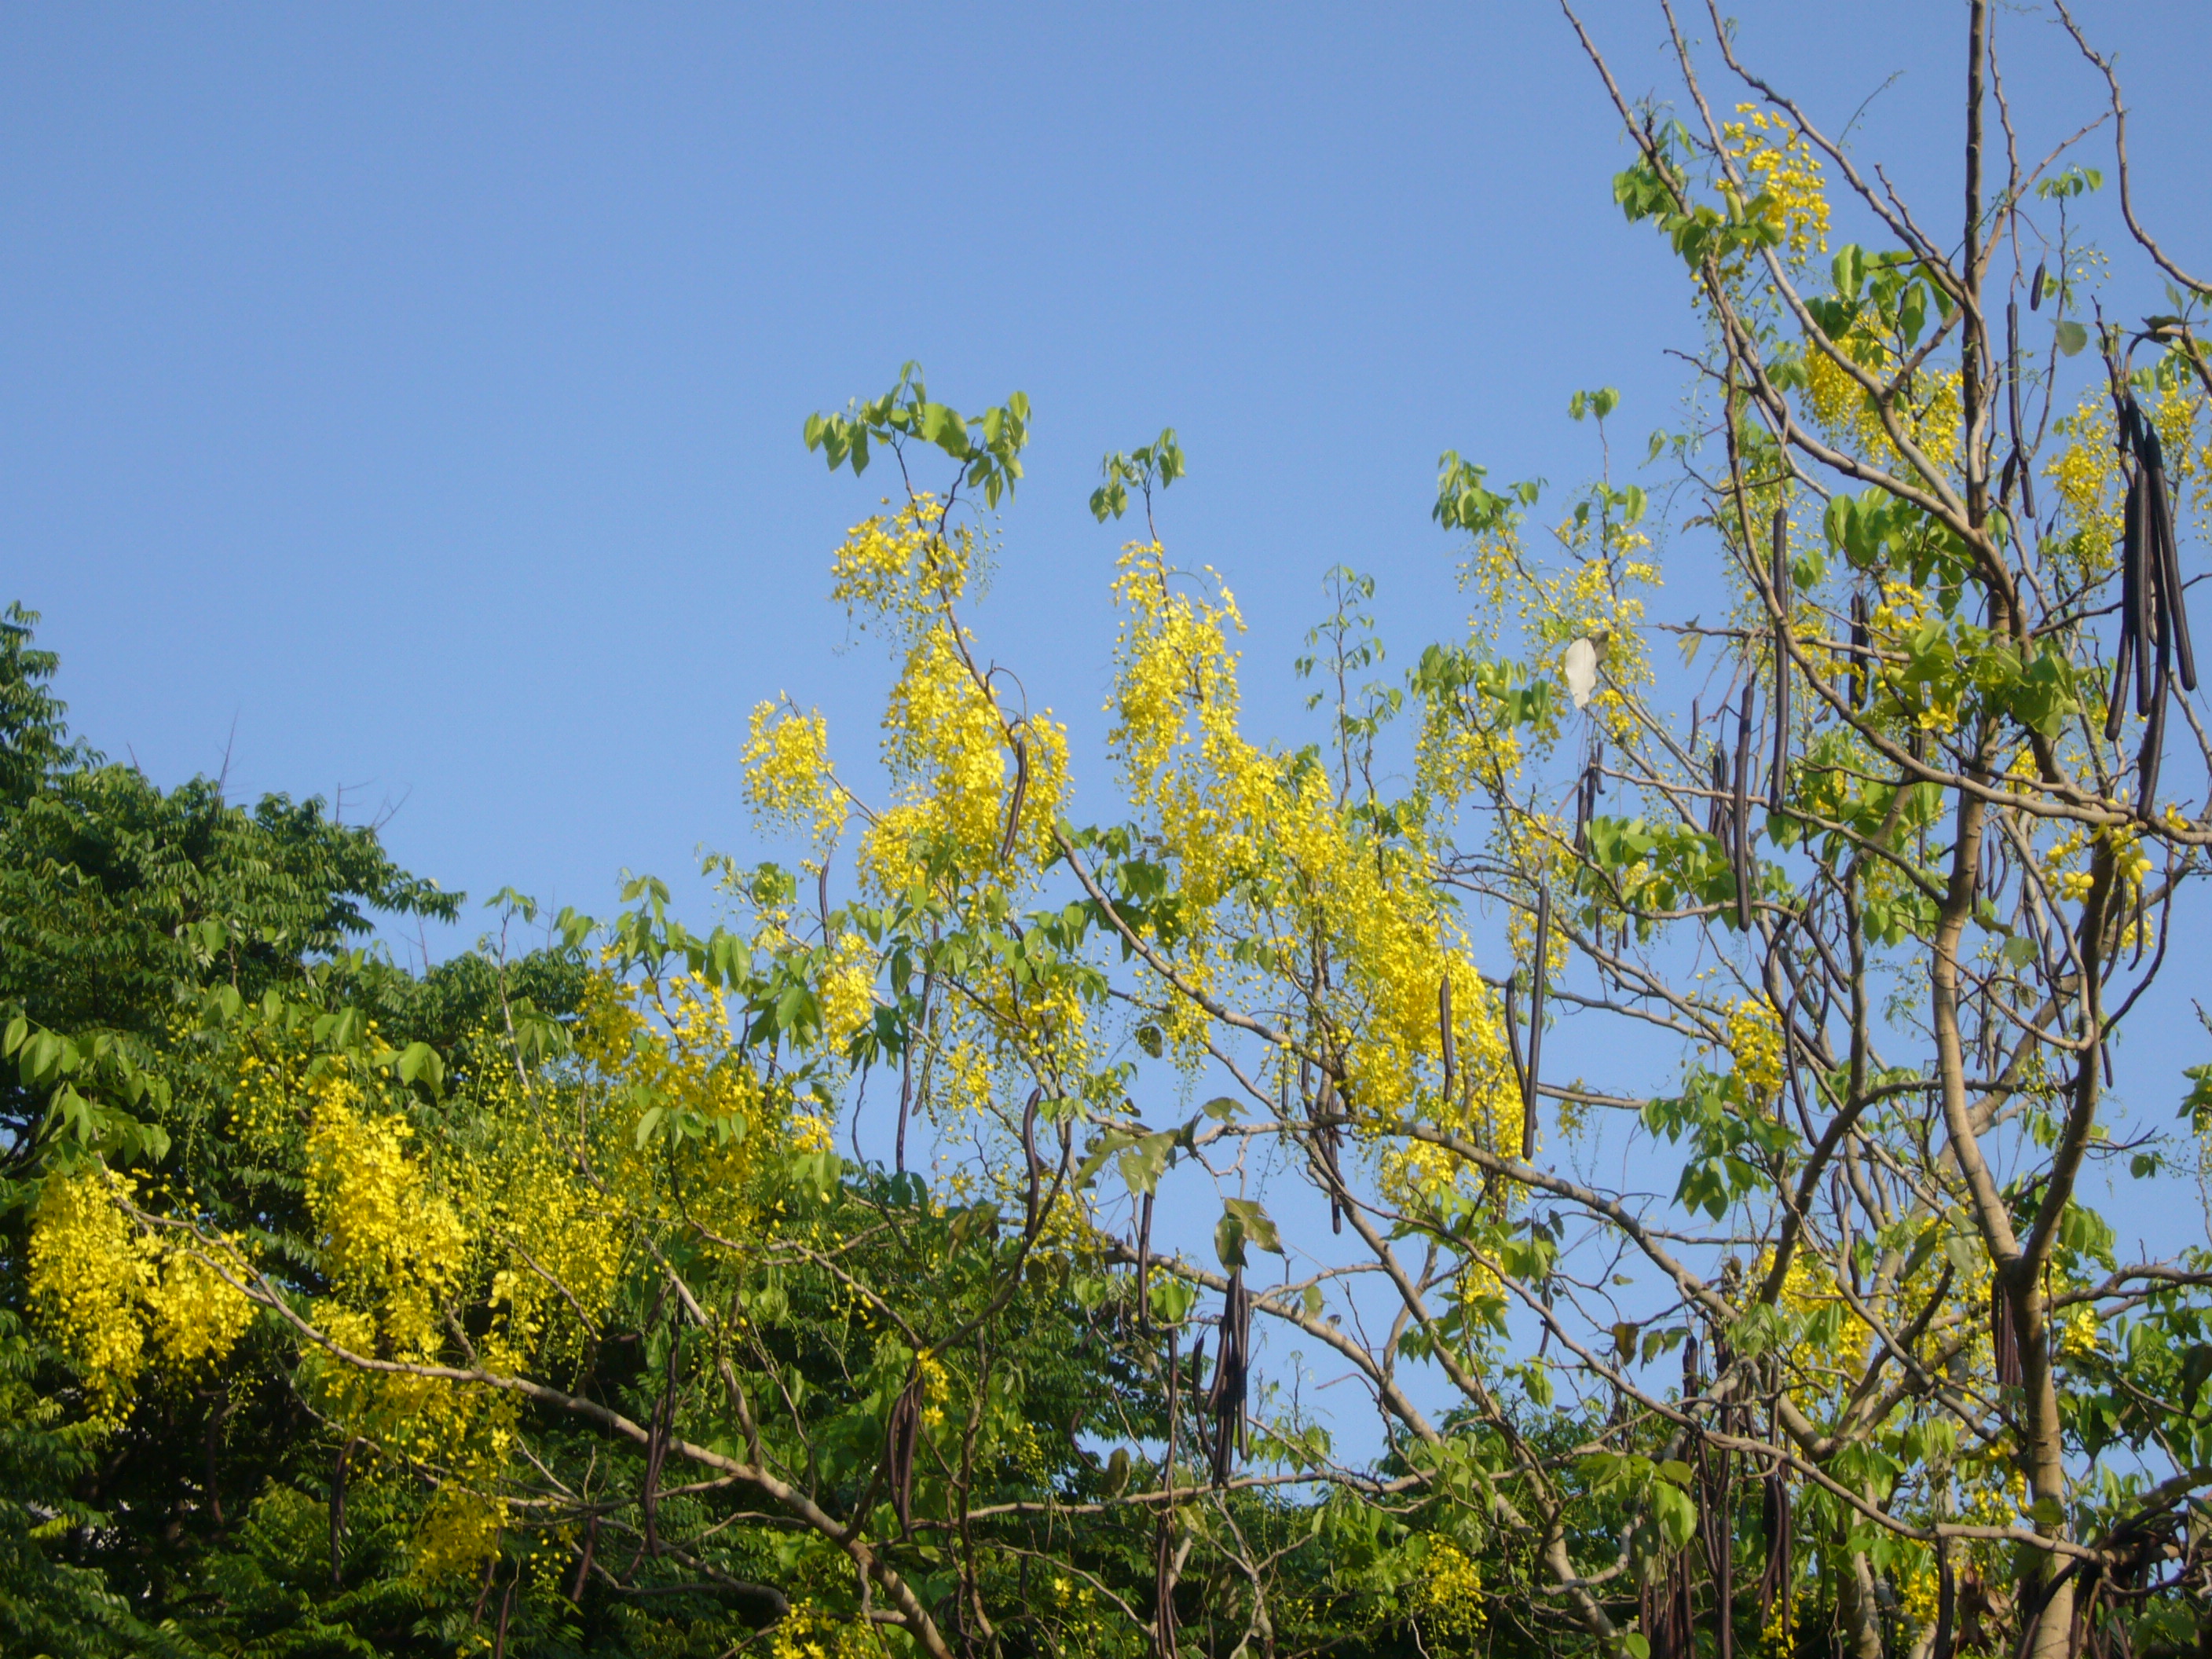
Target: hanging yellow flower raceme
x=115 y=1299
x=789 y=781
x=1780 y=164
x=1755 y=1041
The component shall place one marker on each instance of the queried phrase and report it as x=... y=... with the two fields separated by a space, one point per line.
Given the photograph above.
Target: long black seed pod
x=1327 y=1137
x=1588 y=788
x=2012 y=391
x=2129 y=645
x=1716 y=809
x=1145 y=1265
x=900 y=1435
x=1946 y=1603
x=584 y=1560
x=1536 y=971
x=2139 y=555
x=1861 y=645
x=2173 y=613
x=1739 y=817
x=1225 y=1400
x=2035 y=288
x=1667 y=1615
x=1778 y=785
x=2153 y=743
x=1445 y=1043
x=1513 y=1050
x=1035 y=1164
x=1163 y=1618
x=1717 y=1515
x=2004 y=1340
x=1014 y=804
x=1774 y=1580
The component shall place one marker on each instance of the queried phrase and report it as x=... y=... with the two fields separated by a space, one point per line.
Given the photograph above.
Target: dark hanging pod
x=2129 y=645
x=1776 y=1523
x=1536 y=975
x=2019 y=460
x=2154 y=612
x=1861 y=648
x=1331 y=1137
x=2004 y=1340
x=1225 y=1401
x=1739 y=814
x=1779 y=781
x=1446 y=1044
x=2146 y=593
x=1947 y=1603
x=1145 y=1265
x=1588 y=788
x=2173 y=613
x=900 y=1435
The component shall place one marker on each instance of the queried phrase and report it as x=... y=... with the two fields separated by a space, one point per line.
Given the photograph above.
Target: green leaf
x=419 y=1060
x=2071 y=336
x=1171 y=1298
x=1244 y=1222
x=1675 y=1512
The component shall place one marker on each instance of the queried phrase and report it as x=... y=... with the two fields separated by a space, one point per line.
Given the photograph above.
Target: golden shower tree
x=1872 y=871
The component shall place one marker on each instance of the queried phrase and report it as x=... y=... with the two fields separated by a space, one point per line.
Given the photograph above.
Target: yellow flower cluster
x=936 y=1390
x=1599 y=594
x=1780 y=163
x=669 y=1042
x=1755 y=1042
x=196 y=1317
x=388 y=1238
x=965 y=769
x=1900 y=613
x=2087 y=475
x=1778 y=1636
x=1448 y=1601
x=1919 y=1591
x=264 y=1096
x=903 y=571
x=848 y=991
x=88 y=1276
x=460 y=1531
x=1928 y=414
x=789 y=781
x=2069 y=885
x=1266 y=853
x=103 y=1289
x=947 y=747
x=808 y=1632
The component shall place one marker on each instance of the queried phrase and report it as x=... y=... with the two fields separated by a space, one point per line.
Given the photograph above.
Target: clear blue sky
x=415 y=391
x=418 y=389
